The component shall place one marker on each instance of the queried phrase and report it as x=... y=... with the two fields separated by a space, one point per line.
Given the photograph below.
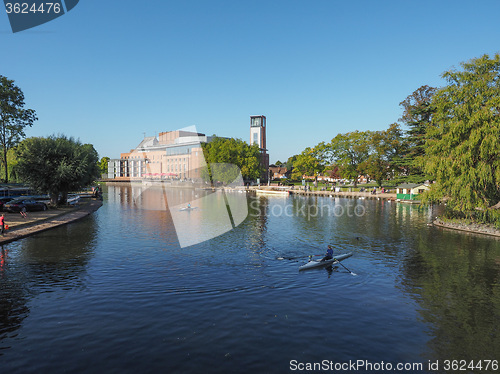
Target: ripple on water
x=118 y=291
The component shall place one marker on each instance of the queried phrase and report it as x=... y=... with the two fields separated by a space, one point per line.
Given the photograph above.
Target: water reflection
x=13 y=299
x=131 y=299
x=195 y=214
x=455 y=279
x=257 y=222
x=56 y=259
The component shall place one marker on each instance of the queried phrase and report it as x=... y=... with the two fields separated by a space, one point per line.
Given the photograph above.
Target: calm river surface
x=116 y=292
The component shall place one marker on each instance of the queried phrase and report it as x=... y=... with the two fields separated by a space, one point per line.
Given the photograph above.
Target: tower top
x=257 y=121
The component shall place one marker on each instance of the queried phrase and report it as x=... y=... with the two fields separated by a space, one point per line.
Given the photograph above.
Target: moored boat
x=281 y=192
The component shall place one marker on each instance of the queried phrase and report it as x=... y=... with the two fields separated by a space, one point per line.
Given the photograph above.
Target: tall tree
x=417 y=116
x=14 y=118
x=349 y=151
x=463 y=148
x=385 y=152
x=103 y=165
x=56 y=165
x=376 y=164
x=308 y=163
x=233 y=151
x=290 y=161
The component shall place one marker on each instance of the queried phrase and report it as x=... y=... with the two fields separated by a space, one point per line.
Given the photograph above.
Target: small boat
x=187 y=208
x=318 y=263
x=279 y=192
x=73 y=199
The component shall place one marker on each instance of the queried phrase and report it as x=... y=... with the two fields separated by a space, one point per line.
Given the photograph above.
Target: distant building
x=279 y=172
x=258 y=136
x=173 y=155
x=410 y=191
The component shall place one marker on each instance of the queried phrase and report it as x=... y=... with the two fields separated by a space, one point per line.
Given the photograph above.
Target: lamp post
x=146 y=162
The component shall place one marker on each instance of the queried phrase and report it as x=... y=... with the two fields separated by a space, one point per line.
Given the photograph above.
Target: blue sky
x=109 y=71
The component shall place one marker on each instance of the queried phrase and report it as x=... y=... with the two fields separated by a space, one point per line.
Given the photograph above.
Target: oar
x=294 y=258
x=340 y=263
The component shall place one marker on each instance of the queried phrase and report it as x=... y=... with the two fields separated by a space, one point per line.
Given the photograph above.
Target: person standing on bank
x=329 y=254
x=2 y=224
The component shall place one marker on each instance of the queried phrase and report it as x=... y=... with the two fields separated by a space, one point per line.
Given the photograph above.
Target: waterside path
x=36 y=222
x=328 y=193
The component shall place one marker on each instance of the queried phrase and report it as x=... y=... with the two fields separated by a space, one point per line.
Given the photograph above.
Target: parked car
x=17 y=204
x=4 y=200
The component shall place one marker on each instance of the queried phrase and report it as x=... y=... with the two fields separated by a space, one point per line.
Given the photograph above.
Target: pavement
x=298 y=191
x=36 y=222
x=365 y=195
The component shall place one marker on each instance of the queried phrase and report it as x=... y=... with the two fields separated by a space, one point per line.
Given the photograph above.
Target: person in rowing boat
x=329 y=254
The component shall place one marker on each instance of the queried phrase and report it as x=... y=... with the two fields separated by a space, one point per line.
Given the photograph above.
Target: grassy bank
x=490 y=217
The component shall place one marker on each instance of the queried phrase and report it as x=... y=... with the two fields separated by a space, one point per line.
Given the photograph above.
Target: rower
x=329 y=254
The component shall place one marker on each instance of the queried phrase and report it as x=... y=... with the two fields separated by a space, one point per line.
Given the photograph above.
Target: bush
x=486 y=216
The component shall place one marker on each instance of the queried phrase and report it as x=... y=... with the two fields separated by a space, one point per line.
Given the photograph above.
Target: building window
x=255 y=122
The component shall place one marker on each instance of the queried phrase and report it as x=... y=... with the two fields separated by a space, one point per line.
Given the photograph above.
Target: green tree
x=308 y=163
x=56 y=165
x=394 y=145
x=14 y=118
x=385 y=152
x=463 y=148
x=417 y=116
x=376 y=164
x=236 y=152
x=103 y=165
x=290 y=161
x=349 y=152
x=12 y=162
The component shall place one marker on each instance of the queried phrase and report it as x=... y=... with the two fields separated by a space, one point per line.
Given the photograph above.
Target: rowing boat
x=187 y=208
x=318 y=263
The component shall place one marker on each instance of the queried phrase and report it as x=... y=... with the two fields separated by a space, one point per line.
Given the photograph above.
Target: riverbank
x=352 y=195
x=37 y=222
x=463 y=226
x=346 y=194
x=470 y=227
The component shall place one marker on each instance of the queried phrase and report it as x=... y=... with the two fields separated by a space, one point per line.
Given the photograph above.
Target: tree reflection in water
x=41 y=263
x=459 y=293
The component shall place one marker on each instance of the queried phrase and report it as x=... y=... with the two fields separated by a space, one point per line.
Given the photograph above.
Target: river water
x=118 y=292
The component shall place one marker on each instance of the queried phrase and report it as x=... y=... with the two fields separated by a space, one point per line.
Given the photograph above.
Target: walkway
x=357 y=194
x=364 y=195
x=36 y=222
